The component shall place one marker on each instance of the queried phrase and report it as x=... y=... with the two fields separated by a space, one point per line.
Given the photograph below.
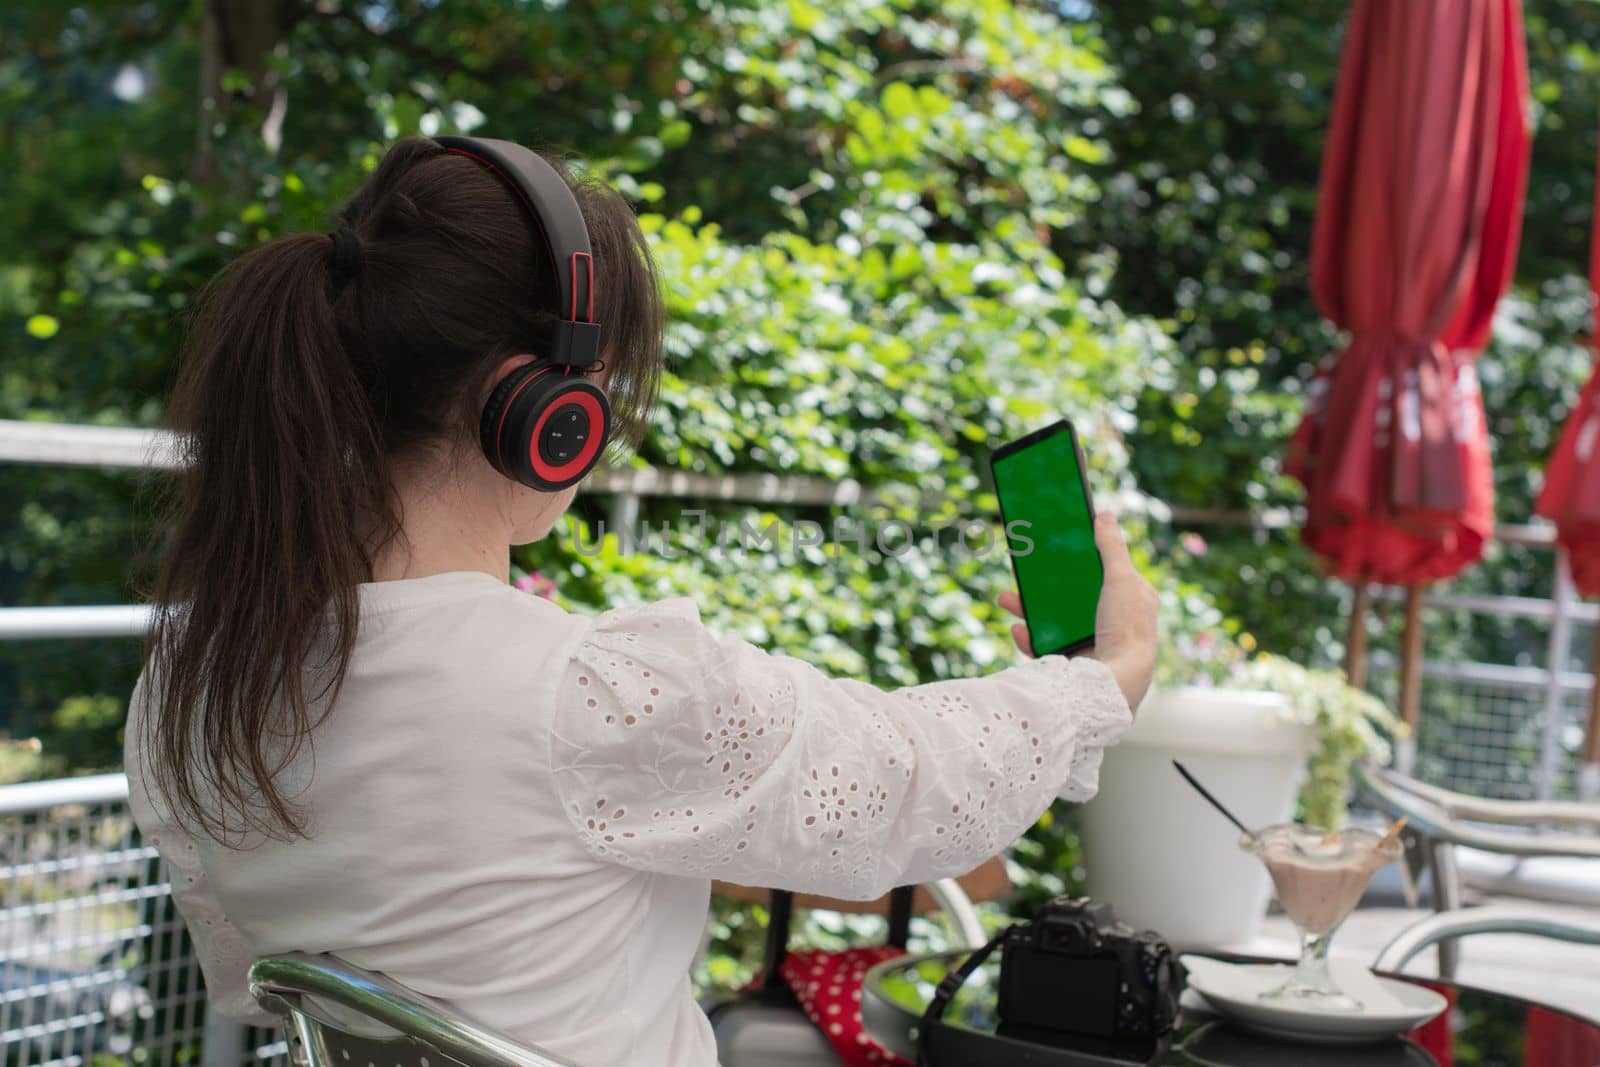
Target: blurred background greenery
x=891 y=232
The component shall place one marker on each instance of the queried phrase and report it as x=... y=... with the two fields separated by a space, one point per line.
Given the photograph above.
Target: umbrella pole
x=1410 y=678
x=1589 y=758
x=1355 y=655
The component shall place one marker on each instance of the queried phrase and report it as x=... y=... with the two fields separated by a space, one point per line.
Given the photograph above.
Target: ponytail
x=282 y=490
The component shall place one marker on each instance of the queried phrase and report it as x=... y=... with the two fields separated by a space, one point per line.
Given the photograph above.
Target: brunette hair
x=299 y=386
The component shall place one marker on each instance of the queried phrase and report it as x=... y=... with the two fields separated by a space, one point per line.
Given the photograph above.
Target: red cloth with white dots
x=828 y=986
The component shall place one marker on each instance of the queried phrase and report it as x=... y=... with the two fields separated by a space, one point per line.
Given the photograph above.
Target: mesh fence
x=1485 y=736
x=96 y=967
x=265 y=1047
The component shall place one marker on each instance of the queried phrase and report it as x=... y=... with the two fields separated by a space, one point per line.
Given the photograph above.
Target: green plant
x=1202 y=648
x=1349 y=725
x=20 y=761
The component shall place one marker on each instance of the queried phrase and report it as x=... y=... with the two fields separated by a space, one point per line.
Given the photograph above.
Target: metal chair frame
x=1438 y=820
x=1448 y=926
x=423 y=1027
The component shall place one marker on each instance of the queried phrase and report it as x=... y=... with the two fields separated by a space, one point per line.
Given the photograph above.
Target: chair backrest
x=377 y=1022
x=1534 y=828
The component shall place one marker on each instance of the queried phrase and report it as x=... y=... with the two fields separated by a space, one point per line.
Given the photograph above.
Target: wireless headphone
x=544 y=426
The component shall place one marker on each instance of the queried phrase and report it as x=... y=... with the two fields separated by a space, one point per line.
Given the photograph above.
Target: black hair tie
x=344 y=261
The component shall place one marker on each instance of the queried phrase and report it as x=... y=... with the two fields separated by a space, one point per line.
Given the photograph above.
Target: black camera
x=1077 y=978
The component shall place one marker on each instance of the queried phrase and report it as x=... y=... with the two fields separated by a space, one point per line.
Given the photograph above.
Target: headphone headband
x=559 y=222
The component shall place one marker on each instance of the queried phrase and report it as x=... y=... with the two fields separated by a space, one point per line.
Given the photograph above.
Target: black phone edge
x=1010 y=447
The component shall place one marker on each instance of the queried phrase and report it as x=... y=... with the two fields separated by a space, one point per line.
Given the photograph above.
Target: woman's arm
x=681 y=752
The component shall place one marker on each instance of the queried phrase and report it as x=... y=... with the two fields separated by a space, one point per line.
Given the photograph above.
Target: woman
x=353 y=736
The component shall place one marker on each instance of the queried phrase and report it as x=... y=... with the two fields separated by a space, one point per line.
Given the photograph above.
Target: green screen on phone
x=1044 y=500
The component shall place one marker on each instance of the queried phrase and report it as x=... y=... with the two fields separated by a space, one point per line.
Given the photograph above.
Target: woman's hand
x=1012 y=602
x=1125 y=620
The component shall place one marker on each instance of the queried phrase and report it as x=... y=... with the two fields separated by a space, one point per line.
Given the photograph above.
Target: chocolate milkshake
x=1319 y=878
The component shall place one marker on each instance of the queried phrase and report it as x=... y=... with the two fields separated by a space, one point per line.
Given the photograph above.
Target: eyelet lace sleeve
x=680 y=752
x=224 y=955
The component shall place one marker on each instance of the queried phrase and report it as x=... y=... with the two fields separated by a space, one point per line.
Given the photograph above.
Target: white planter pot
x=1155 y=850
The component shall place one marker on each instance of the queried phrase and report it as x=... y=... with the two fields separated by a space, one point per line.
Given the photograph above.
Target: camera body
x=1076 y=977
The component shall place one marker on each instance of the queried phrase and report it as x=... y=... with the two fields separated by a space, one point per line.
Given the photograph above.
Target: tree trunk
x=1355 y=655
x=1411 y=660
x=240 y=36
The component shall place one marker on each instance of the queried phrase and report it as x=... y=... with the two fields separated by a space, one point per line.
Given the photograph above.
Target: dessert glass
x=1319 y=878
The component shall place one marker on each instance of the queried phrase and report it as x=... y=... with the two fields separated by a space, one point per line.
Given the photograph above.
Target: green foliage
x=20 y=761
x=854 y=209
x=1348 y=724
x=85 y=727
x=891 y=233
x=1204 y=222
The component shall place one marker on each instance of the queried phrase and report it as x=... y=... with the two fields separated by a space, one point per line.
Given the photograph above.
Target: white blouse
x=518 y=811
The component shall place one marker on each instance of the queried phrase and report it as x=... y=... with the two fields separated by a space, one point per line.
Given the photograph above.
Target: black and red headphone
x=545 y=426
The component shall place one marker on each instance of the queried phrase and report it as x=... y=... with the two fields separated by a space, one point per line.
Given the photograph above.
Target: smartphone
x=1048 y=516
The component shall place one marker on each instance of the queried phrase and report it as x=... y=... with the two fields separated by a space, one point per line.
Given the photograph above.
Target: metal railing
x=97 y=960
x=1505 y=731
x=59 y=444
x=1491 y=730
x=1475 y=735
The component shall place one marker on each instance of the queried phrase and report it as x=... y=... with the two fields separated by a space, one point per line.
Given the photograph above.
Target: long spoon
x=1213 y=801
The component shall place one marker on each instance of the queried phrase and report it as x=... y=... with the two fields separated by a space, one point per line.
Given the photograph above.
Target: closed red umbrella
x=1571 y=499
x=1418 y=217
x=1571 y=494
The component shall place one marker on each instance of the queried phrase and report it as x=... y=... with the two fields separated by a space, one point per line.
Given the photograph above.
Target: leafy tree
x=1204 y=223
x=892 y=232
x=853 y=208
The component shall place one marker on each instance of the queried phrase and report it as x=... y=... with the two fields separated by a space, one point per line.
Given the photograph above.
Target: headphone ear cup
x=544 y=429
x=492 y=422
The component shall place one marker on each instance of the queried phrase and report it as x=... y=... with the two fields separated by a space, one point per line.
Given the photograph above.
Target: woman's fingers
x=1019 y=633
x=1012 y=602
x=1112 y=545
x=1125 y=620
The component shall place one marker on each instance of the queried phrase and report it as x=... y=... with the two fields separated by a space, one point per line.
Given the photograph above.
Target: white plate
x=1390 y=1007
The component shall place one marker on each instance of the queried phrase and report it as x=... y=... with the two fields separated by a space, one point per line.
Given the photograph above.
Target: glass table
x=1481 y=1028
